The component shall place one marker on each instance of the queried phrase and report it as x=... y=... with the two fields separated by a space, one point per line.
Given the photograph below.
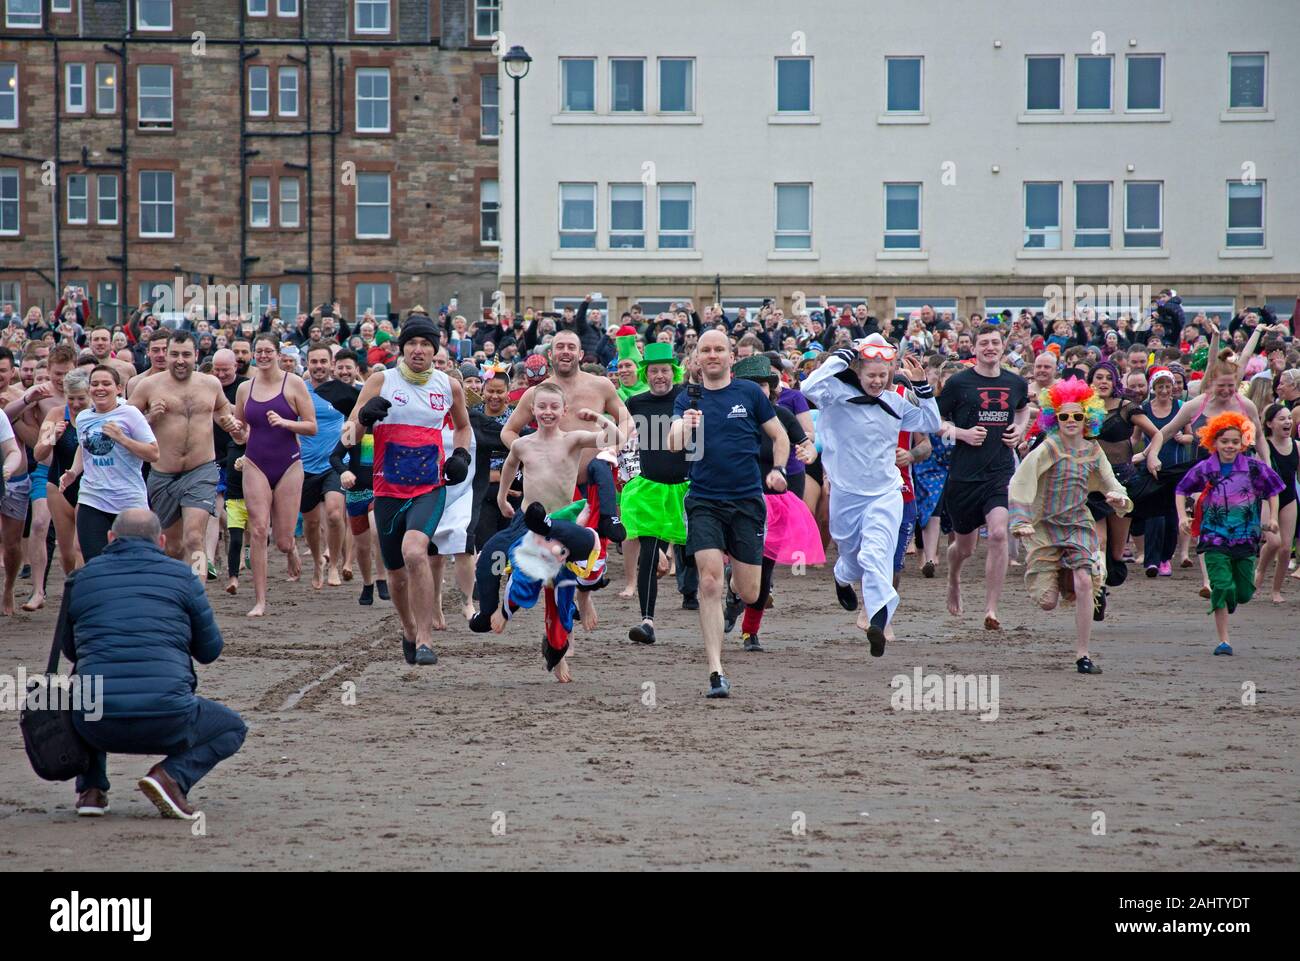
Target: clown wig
x=1072 y=391
x=1230 y=420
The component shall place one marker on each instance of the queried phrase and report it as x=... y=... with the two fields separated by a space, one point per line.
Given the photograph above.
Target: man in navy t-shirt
x=721 y=428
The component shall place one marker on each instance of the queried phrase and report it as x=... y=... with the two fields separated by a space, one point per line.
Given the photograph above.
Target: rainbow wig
x=1231 y=420
x=1071 y=391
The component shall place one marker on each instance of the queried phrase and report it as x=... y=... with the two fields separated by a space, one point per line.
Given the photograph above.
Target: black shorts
x=735 y=527
x=394 y=516
x=315 y=487
x=968 y=503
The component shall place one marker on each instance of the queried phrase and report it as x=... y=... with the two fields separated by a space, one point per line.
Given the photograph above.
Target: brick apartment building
x=311 y=149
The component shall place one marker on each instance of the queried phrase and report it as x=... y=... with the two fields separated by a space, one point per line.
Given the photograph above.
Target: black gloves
x=456 y=467
x=845 y=354
x=922 y=389
x=376 y=409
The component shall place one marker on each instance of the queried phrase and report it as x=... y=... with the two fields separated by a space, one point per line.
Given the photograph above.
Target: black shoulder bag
x=54 y=747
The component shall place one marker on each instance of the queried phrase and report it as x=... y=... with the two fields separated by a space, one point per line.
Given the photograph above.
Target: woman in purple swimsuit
x=273 y=462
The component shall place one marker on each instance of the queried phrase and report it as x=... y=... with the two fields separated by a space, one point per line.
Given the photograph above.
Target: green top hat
x=658 y=353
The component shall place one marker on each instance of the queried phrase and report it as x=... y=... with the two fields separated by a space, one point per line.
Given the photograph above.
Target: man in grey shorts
x=181 y=406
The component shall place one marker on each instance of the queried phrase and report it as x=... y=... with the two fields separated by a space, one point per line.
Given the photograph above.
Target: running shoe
x=367 y=595
x=877 y=638
x=719 y=686
x=1153 y=570
x=381 y=587
x=1085 y=665
x=690 y=602
x=408 y=651
x=1166 y=569
x=643 y=633
x=1099 y=606
x=92 y=803
x=425 y=656
x=735 y=607
x=26 y=573
x=750 y=642
x=1223 y=648
x=848 y=598
x=927 y=569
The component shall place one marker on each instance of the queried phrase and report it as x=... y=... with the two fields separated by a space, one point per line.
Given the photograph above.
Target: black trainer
x=425 y=655
x=750 y=642
x=848 y=597
x=367 y=595
x=690 y=602
x=1099 y=606
x=719 y=686
x=1085 y=666
x=381 y=587
x=877 y=638
x=642 y=633
x=735 y=607
x=408 y=651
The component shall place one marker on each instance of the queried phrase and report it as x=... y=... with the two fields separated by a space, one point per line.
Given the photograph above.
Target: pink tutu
x=792 y=534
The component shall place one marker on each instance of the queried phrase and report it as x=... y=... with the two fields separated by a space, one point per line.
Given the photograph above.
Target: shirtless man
x=243 y=350
x=181 y=407
x=550 y=459
x=157 y=360
x=100 y=343
x=582 y=391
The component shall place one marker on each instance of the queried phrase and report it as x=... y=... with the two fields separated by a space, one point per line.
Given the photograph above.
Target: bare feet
x=259 y=610
x=37 y=601
x=295 y=564
x=954 y=596
x=1277 y=599
x=233 y=586
x=334 y=579
x=991 y=622
x=347 y=573
x=439 y=622
x=467 y=609
x=863 y=622
x=587 y=610
x=889 y=633
x=561 y=672
x=317 y=578
x=629 y=591
x=498 y=622
x=664 y=565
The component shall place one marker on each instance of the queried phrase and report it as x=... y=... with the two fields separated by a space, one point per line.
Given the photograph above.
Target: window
x=676 y=216
x=288 y=78
x=259 y=201
x=627 y=216
x=1092 y=83
x=676 y=85
x=8 y=200
x=290 y=299
x=1247 y=73
x=487 y=19
x=489 y=99
x=578 y=79
x=259 y=91
x=61 y=6
x=74 y=92
x=154 y=96
x=1043 y=83
x=794 y=84
x=577 y=216
x=258 y=8
x=1042 y=216
x=157 y=203
x=8 y=95
x=1146 y=83
x=106 y=198
x=903 y=80
x=372 y=205
x=793 y=217
x=105 y=88
x=627 y=86
x=1142 y=215
x=1245 y=214
x=372 y=16
x=286 y=8
x=489 y=212
x=1091 y=215
x=289 y=193
x=372 y=297
x=106 y=303
x=78 y=199
x=902 y=216
x=153 y=14
x=23 y=14
x=372 y=100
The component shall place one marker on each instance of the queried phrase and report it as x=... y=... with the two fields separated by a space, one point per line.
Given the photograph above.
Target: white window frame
x=280 y=74
x=564 y=84
x=627 y=233
x=156 y=124
x=13 y=96
x=1047 y=233
x=60 y=6
x=108 y=304
x=1108 y=230
x=1145 y=230
x=483 y=211
x=374 y=6
x=488 y=7
x=661 y=232
x=83 y=198
x=1262 y=229
x=100 y=194
x=287 y=9
x=262 y=10
x=483 y=105
x=264 y=88
x=776 y=91
x=920 y=108
x=387 y=204
x=69 y=84
x=11 y=174
x=264 y=201
x=1242 y=53
x=295 y=201
x=690 y=89
x=1128 y=66
x=13 y=24
x=1060 y=83
x=1078 y=65
x=625 y=112
x=594 y=232
x=387 y=99
x=103 y=70
x=139 y=16
x=159 y=204
x=898 y=232
x=284 y=302
x=777 y=232
x=360 y=310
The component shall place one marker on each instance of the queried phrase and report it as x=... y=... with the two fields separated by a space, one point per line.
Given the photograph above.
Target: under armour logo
x=995 y=397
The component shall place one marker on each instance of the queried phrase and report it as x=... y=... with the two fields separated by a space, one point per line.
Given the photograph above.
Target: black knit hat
x=417 y=325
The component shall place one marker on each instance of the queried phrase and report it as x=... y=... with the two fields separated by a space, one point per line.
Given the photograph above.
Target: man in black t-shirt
x=985 y=409
x=225 y=369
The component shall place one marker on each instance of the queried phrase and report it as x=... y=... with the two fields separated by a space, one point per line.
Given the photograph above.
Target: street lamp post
x=517 y=62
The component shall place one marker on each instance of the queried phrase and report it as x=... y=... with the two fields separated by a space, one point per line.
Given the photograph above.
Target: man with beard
x=242 y=348
x=181 y=407
x=100 y=343
x=157 y=360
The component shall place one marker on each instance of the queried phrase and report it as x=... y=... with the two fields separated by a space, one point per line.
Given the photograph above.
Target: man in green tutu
x=651 y=503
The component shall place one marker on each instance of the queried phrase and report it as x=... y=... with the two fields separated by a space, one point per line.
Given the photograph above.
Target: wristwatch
x=780 y=470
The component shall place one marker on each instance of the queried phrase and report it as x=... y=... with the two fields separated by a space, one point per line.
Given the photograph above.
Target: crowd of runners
x=709 y=450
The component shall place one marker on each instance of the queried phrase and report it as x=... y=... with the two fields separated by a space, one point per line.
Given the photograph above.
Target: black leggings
x=92 y=530
x=647 y=576
x=234 y=553
x=764 y=585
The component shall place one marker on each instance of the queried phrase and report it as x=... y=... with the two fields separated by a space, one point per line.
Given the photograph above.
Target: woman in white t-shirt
x=112 y=443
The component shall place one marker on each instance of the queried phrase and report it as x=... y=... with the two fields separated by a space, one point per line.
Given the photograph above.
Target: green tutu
x=650 y=509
